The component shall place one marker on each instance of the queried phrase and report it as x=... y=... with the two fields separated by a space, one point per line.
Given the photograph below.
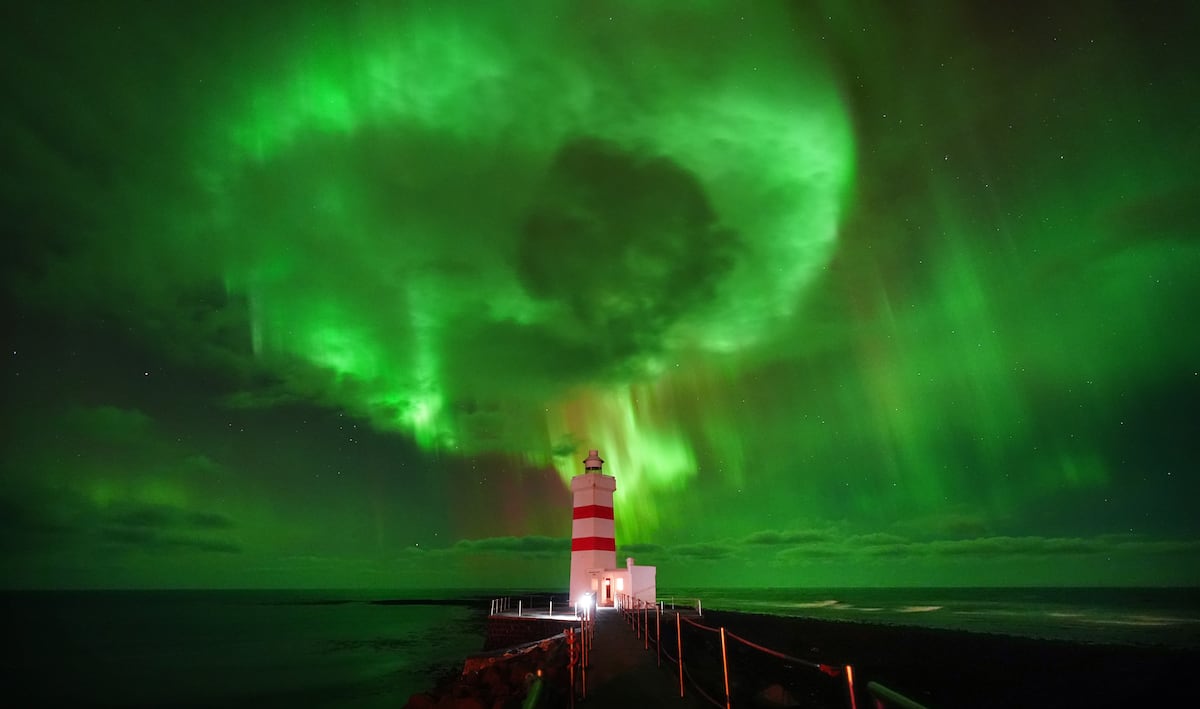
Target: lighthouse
x=594 y=543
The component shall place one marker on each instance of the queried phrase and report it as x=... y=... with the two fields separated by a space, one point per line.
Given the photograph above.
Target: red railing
x=821 y=687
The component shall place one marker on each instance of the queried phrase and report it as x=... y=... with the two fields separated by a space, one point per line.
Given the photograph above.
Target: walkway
x=625 y=674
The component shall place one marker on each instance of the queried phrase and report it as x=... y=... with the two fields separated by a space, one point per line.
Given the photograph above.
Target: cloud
x=162 y=517
x=161 y=527
x=608 y=215
x=997 y=547
x=643 y=548
x=144 y=516
x=1012 y=546
x=814 y=551
x=37 y=520
x=798 y=545
x=776 y=538
x=706 y=551
x=531 y=545
x=153 y=540
x=955 y=525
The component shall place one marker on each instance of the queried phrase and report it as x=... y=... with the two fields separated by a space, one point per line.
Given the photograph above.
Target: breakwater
x=508 y=630
x=506 y=678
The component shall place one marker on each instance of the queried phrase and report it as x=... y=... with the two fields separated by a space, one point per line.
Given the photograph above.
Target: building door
x=608 y=590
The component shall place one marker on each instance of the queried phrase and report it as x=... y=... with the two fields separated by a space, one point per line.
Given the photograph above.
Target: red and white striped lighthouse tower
x=593 y=535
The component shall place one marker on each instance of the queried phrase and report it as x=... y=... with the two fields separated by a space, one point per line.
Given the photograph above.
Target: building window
x=620 y=583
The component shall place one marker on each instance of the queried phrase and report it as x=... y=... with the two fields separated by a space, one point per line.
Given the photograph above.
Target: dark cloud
x=146 y=516
x=775 y=538
x=706 y=551
x=159 y=527
x=38 y=519
x=530 y=545
x=814 y=551
x=152 y=540
x=565 y=447
x=32 y=520
x=1015 y=546
x=641 y=548
x=162 y=517
x=949 y=524
x=628 y=242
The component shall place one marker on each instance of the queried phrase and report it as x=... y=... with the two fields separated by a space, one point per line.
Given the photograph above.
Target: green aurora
x=332 y=296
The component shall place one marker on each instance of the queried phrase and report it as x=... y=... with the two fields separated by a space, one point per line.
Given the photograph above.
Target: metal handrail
x=636 y=613
x=529 y=606
x=776 y=653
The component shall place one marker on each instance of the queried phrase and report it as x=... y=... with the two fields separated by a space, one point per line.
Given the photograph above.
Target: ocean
x=376 y=648
x=235 y=648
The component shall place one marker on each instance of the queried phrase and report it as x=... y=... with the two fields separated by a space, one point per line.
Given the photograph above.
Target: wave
x=819 y=604
x=1136 y=621
x=918 y=609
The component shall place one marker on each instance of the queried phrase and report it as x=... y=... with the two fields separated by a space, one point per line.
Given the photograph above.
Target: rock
x=502 y=680
x=775 y=696
x=421 y=700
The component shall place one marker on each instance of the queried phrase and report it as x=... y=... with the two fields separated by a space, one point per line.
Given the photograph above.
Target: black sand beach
x=945 y=668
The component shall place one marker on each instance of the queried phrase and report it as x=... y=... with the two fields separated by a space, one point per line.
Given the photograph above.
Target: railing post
x=725 y=669
x=658 y=632
x=571 y=660
x=679 y=650
x=519 y=608
x=583 y=636
x=646 y=624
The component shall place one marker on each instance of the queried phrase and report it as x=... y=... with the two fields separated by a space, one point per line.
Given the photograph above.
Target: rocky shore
x=505 y=679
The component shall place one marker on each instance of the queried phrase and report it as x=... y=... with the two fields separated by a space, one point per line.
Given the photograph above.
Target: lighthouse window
x=620 y=583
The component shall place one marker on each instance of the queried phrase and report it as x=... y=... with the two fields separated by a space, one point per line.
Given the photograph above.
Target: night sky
x=339 y=295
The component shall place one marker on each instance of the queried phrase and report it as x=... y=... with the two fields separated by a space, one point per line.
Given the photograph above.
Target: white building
x=594 y=544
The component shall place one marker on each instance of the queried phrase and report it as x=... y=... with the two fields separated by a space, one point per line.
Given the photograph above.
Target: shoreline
x=945 y=668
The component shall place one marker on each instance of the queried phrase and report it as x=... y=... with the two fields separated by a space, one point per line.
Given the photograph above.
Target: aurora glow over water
x=325 y=295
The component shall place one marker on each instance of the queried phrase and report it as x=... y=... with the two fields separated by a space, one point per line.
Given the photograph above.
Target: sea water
x=1168 y=617
x=231 y=648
